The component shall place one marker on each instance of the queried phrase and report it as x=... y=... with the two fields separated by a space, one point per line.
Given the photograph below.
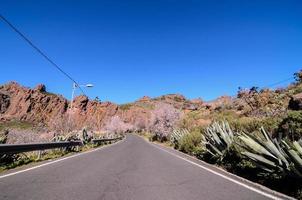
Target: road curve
x=130 y=170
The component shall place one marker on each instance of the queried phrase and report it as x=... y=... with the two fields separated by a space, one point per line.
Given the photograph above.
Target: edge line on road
x=61 y=159
x=271 y=196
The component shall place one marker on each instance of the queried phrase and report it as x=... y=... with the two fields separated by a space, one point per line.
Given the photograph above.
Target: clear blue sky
x=128 y=49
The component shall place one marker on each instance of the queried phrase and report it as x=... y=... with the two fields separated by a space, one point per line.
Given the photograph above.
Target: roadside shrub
x=253 y=124
x=6 y=158
x=291 y=126
x=191 y=143
x=15 y=124
x=157 y=137
x=177 y=135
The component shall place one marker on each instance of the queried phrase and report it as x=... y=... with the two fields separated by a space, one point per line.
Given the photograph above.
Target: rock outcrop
x=39 y=106
x=31 y=105
x=295 y=103
x=4 y=102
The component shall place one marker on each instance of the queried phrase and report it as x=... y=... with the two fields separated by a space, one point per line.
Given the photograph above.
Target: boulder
x=40 y=88
x=295 y=102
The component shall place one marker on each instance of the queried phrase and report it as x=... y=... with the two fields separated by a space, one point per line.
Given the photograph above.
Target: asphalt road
x=132 y=169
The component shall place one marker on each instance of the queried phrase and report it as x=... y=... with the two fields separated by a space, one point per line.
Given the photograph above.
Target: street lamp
x=74 y=87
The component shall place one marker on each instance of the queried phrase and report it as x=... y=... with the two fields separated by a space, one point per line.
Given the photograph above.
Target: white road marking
x=226 y=177
x=59 y=160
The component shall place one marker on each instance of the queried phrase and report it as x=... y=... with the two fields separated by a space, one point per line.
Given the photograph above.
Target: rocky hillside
x=38 y=106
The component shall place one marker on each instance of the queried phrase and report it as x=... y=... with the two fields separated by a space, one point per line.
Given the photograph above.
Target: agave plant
x=84 y=136
x=217 y=139
x=280 y=158
x=177 y=135
x=3 y=137
x=6 y=158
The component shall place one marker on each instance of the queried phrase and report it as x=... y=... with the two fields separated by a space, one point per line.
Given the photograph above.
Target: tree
x=163 y=119
x=117 y=126
x=140 y=124
x=63 y=124
x=298 y=76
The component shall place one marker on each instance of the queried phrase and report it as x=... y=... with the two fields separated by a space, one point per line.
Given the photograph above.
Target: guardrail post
x=39 y=154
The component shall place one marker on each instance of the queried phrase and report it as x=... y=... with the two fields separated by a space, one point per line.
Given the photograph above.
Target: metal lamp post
x=74 y=87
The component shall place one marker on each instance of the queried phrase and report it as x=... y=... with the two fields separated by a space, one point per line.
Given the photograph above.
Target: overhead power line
x=40 y=52
x=264 y=87
x=279 y=82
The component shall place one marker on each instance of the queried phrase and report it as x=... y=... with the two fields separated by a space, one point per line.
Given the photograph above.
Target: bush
x=163 y=119
x=126 y=106
x=291 y=126
x=157 y=137
x=6 y=158
x=177 y=135
x=252 y=124
x=14 y=124
x=191 y=143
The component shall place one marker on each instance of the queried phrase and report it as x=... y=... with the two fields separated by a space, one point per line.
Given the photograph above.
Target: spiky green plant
x=218 y=139
x=3 y=137
x=6 y=158
x=177 y=135
x=84 y=137
x=278 y=158
x=69 y=137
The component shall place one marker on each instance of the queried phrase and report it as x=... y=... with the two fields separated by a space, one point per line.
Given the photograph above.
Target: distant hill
x=37 y=106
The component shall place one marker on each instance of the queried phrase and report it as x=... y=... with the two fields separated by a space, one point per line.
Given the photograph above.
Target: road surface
x=132 y=169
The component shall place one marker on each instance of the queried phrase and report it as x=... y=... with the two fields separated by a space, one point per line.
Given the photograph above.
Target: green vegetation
x=255 y=155
x=9 y=161
x=16 y=125
x=144 y=105
x=278 y=158
x=259 y=136
x=217 y=140
x=291 y=125
x=178 y=99
x=126 y=106
x=16 y=160
x=191 y=143
x=49 y=93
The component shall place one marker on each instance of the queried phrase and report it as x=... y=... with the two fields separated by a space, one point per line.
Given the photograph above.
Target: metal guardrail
x=103 y=140
x=19 y=148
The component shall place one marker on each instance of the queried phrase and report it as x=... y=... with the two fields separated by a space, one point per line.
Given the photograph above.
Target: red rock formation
x=144 y=99
x=39 y=106
x=31 y=105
